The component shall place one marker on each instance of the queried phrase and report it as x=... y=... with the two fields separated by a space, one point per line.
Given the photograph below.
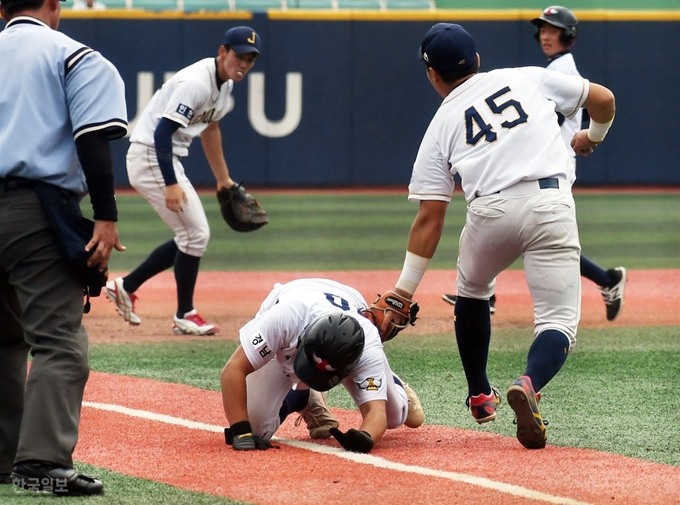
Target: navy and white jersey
x=283 y=316
x=52 y=90
x=496 y=129
x=191 y=98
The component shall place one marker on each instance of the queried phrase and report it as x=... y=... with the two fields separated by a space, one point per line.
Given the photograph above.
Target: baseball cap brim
x=245 y=49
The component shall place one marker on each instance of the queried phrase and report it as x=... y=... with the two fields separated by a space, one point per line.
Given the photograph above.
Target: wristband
x=412 y=273
x=240 y=428
x=598 y=131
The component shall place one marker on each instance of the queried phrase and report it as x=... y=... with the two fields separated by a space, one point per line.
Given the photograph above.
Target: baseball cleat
x=483 y=407
x=613 y=296
x=522 y=399
x=451 y=299
x=415 y=416
x=125 y=302
x=317 y=416
x=193 y=324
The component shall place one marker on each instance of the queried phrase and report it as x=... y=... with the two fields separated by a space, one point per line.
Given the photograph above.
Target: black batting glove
x=353 y=440
x=241 y=438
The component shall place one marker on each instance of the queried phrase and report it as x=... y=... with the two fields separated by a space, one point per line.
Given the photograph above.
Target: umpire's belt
x=10 y=183
x=529 y=187
x=18 y=183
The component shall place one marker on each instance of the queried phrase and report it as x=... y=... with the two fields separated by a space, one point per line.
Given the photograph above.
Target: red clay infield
x=155 y=439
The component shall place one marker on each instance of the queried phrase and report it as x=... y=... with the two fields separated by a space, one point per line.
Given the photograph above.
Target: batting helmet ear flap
x=568 y=36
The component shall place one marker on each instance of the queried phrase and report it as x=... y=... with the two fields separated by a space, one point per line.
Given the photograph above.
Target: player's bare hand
x=104 y=240
x=581 y=144
x=175 y=198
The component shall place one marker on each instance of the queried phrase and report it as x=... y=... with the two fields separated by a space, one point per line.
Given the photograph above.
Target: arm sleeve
x=94 y=155
x=163 y=143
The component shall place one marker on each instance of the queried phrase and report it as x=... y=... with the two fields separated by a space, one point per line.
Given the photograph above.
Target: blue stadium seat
x=312 y=4
x=258 y=5
x=207 y=5
x=360 y=4
x=155 y=5
x=115 y=4
x=411 y=4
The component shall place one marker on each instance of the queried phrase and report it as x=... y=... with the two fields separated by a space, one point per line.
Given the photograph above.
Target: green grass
x=119 y=490
x=369 y=231
x=616 y=393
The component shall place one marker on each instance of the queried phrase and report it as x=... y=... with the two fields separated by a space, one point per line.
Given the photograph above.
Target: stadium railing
x=264 y=5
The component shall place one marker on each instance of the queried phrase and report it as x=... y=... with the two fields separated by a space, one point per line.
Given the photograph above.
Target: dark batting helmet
x=328 y=349
x=560 y=17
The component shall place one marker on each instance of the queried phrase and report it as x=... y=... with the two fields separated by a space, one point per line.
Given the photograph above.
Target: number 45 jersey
x=496 y=129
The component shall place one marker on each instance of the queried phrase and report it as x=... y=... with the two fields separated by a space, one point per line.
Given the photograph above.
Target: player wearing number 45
x=497 y=131
x=556 y=30
x=189 y=104
x=309 y=336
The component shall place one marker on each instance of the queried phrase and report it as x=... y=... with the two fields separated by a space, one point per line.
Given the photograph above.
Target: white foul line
x=365 y=459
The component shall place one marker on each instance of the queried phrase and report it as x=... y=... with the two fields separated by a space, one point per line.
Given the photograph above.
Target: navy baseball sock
x=547 y=354
x=594 y=272
x=186 y=273
x=473 y=334
x=160 y=259
x=295 y=401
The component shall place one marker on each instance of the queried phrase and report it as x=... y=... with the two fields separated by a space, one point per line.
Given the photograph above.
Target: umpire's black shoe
x=51 y=478
x=5 y=478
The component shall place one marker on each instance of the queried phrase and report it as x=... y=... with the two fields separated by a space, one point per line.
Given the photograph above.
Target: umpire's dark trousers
x=41 y=311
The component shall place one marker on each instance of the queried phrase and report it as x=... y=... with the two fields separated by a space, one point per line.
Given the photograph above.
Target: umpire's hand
x=104 y=240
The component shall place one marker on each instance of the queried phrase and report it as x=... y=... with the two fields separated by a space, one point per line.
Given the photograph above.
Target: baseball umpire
x=497 y=130
x=308 y=337
x=188 y=105
x=60 y=103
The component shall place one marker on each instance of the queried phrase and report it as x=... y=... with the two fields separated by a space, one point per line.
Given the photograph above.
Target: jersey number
x=485 y=130
x=338 y=301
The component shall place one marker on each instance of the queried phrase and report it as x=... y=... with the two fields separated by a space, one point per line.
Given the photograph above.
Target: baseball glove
x=240 y=210
x=391 y=313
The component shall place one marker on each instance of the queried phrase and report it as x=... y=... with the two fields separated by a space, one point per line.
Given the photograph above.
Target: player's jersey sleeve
x=95 y=94
x=273 y=332
x=187 y=98
x=431 y=178
x=367 y=380
x=569 y=92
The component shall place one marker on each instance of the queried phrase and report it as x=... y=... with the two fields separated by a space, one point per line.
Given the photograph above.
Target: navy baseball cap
x=447 y=47
x=242 y=39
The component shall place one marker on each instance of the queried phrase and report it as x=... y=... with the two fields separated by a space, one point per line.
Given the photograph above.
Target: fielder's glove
x=353 y=440
x=240 y=210
x=241 y=438
x=391 y=313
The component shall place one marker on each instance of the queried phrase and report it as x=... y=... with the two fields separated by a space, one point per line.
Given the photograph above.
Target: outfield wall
x=341 y=99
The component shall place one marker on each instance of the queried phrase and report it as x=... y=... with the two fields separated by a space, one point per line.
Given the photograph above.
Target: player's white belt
x=529 y=187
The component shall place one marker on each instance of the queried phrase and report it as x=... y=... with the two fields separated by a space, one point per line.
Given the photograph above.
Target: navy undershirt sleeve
x=163 y=142
x=94 y=155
